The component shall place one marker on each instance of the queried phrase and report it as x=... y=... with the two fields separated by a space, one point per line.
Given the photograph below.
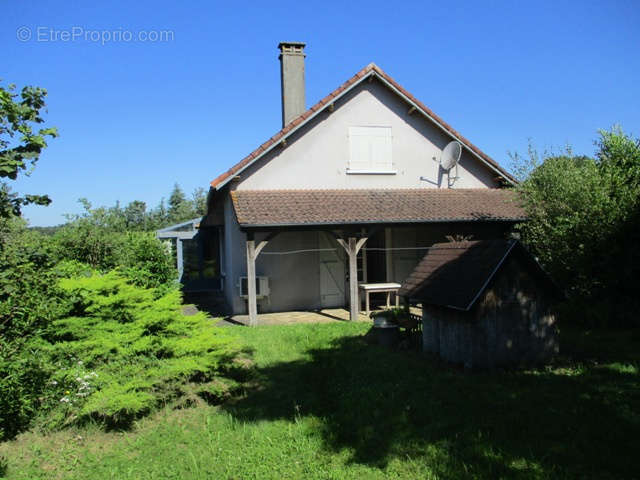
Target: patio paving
x=327 y=315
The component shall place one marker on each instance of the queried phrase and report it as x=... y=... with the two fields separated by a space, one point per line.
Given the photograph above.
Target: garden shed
x=485 y=304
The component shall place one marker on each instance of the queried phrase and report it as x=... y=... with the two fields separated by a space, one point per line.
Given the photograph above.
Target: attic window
x=370 y=151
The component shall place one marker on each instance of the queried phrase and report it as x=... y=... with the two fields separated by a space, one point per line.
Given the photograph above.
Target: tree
x=136 y=215
x=21 y=142
x=619 y=160
x=180 y=209
x=158 y=217
x=564 y=199
x=93 y=237
x=583 y=226
x=199 y=198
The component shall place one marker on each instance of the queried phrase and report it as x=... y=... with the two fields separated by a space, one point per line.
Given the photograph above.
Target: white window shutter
x=359 y=155
x=370 y=149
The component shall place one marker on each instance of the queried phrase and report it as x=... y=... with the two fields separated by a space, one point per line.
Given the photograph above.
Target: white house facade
x=349 y=191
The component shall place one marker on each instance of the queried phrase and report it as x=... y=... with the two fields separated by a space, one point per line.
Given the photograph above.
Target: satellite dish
x=450 y=156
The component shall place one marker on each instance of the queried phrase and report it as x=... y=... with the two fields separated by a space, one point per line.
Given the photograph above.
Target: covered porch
x=355 y=221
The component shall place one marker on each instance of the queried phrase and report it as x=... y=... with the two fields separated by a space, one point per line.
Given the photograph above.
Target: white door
x=332 y=271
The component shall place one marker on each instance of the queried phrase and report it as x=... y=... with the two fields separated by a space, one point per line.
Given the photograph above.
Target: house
x=485 y=304
x=349 y=190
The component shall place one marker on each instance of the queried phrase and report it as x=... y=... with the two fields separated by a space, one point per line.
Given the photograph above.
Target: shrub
x=90 y=238
x=139 y=255
x=136 y=351
x=24 y=373
x=29 y=302
x=393 y=315
x=147 y=262
x=29 y=298
x=565 y=200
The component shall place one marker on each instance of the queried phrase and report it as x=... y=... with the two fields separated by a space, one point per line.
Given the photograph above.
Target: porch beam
x=264 y=242
x=180 y=235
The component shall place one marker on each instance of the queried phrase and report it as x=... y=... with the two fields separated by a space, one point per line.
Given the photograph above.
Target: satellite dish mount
x=449 y=158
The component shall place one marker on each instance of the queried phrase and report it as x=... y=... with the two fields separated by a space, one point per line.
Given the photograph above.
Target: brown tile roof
x=336 y=207
x=371 y=69
x=455 y=274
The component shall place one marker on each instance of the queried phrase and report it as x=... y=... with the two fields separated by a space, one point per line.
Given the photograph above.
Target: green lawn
x=324 y=403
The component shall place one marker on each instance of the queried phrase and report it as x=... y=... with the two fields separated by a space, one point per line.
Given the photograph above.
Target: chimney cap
x=291 y=48
x=291 y=44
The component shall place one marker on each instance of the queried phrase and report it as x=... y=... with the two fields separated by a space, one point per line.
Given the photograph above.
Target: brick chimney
x=292 y=80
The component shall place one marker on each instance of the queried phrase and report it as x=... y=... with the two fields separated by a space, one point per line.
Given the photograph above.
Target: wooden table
x=389 y=288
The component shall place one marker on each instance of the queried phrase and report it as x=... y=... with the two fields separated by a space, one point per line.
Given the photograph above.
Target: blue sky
x=135 y=117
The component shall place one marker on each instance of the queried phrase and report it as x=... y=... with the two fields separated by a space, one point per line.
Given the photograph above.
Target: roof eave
x=181 y=224
x=374 y=222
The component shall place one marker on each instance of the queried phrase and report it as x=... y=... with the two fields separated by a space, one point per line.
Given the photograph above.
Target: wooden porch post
x=179 y=258
x=354 y=301
x=252 y=253
x=251 y=282
x=352 y=247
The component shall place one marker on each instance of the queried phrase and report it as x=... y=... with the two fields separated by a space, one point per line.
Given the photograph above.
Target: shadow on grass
x=575 y=421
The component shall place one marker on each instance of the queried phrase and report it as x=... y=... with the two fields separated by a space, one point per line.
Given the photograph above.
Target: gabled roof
x=262 y=208
x=456 y=274
x=371 y=70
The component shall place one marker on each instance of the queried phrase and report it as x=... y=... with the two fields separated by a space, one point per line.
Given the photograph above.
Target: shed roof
x=456 y=274
x=263 y=208
x=180 y=230
x=369 y=72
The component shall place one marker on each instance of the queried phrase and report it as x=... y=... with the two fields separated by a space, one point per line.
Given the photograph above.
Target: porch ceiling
x=300 y=208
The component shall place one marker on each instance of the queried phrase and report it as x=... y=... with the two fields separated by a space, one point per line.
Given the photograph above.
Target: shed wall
x=516 y=313
x=512 y=324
